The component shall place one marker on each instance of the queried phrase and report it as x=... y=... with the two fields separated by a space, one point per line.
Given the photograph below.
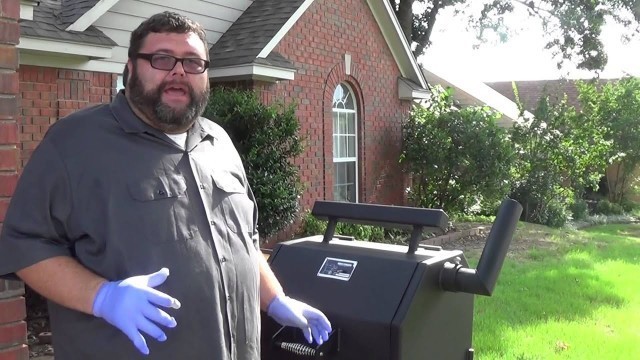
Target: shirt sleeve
x=255 y=236
x=35 y=225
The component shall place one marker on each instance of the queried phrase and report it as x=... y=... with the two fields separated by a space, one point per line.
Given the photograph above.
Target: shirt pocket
x=158 y=188
x=236 y=205
x=156 y=208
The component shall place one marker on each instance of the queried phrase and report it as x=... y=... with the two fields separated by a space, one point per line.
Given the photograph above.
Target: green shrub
x=579 y=209
x=629 y=206
x=560 y=153
x=605 y=207
x=313 y=226
x=556 y=214
x=458 y=158
x=267 y=139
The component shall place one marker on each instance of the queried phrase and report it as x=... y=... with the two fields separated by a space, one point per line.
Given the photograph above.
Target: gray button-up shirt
x=123 y=199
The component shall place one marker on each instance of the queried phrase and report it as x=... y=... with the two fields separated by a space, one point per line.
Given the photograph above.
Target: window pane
x=335 y=146
x=344 y=182
x=348 y=104
x=351 y=123
x=335 y=121
x=350 y=168
x=351 y=146
x=338 y=94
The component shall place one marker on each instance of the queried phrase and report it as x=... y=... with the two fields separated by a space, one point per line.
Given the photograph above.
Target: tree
x=573 y=26
x=560 y=152
x=459 y=159
x=616 y=106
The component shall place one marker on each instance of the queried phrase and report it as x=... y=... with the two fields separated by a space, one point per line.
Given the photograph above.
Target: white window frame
x=353 y=159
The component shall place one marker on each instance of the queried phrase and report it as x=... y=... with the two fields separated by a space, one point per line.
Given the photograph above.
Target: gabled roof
x=474 y=93
x=263 y=25
x=47 y=24
x=252 y=33
x=530 y=91
x=246 y=48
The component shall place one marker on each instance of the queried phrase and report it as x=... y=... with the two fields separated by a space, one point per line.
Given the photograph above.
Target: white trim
x=284 y=29
x=26 y=9
x=397 y=42
x=356 y=142
x=347 y=64
x=253 y=71
x=408 y=92
x=64 y=47
x=69 y=62
x=92 y=15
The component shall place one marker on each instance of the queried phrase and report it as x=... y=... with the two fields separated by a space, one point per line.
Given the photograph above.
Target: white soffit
x=252 y=71
x=62 y=47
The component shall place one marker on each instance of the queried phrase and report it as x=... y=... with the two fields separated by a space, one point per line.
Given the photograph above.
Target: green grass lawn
x=577 y=296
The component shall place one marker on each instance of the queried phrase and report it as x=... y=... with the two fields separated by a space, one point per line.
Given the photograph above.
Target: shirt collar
x=131 y=123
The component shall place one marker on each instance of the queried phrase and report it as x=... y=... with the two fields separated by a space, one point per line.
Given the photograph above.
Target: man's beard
x=163 y=116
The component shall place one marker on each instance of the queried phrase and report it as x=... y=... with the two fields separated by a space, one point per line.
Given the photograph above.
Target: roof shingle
x=72 y=10
x=253 y=30
x=46 y=24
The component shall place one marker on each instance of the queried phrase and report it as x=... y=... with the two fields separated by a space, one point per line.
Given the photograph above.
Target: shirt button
x=161 y=192
x=223 y=259
x=211 y=222
x=228 y=297
x=201 y=186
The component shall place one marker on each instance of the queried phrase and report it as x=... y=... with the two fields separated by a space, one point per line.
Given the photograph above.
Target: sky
x=522 y=57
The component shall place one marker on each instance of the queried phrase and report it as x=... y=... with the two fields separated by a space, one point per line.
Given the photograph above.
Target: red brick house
x=345 y=63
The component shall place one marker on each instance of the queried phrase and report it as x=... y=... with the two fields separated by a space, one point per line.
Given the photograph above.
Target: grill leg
x=469 y=354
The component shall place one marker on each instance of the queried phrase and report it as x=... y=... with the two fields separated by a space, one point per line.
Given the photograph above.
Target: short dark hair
x=165 y=22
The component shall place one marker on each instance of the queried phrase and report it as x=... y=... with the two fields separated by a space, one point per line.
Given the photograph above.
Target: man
x=136 y=221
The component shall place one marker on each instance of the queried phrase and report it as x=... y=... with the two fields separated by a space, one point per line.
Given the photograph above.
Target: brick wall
x=48 y=94
x=13 y=329
x=317 y=45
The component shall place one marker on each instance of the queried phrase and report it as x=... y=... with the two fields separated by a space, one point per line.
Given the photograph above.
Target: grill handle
x=400 y=217
x=287 y=340
x=482 y=281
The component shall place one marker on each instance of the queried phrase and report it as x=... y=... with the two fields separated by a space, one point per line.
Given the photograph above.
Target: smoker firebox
x=385 y=301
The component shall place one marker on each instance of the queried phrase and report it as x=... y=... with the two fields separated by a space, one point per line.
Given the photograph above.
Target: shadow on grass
x=559 y=284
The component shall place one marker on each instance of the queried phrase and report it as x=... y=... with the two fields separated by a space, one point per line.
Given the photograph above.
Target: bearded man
x=136 y=221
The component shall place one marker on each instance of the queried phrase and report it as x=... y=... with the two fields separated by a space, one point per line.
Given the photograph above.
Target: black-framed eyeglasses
x=167 y=62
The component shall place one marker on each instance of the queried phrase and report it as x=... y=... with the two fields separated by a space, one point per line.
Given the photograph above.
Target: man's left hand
x=290 y=312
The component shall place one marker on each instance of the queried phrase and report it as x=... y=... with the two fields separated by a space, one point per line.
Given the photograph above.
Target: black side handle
x=401 y=217
x=482 y=281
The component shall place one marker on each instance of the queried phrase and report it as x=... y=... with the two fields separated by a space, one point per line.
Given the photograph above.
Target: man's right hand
x=132 y=305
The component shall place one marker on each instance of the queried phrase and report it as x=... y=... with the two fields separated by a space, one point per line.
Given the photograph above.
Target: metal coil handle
x=287 y=339
x=299 y=349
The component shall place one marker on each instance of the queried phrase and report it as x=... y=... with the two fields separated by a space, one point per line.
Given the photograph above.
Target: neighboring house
x=530 y=91
x=345 y=63
x=467 y=92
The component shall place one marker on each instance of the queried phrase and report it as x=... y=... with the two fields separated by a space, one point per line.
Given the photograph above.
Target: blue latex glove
x=131 y=305
x=290 y=312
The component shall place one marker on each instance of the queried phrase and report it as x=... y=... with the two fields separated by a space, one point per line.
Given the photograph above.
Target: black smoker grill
x=385 y=301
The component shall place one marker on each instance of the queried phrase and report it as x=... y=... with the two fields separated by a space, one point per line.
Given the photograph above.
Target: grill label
x=340 y=269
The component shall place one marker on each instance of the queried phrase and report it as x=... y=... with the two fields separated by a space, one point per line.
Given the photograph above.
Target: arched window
x=345 y=145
